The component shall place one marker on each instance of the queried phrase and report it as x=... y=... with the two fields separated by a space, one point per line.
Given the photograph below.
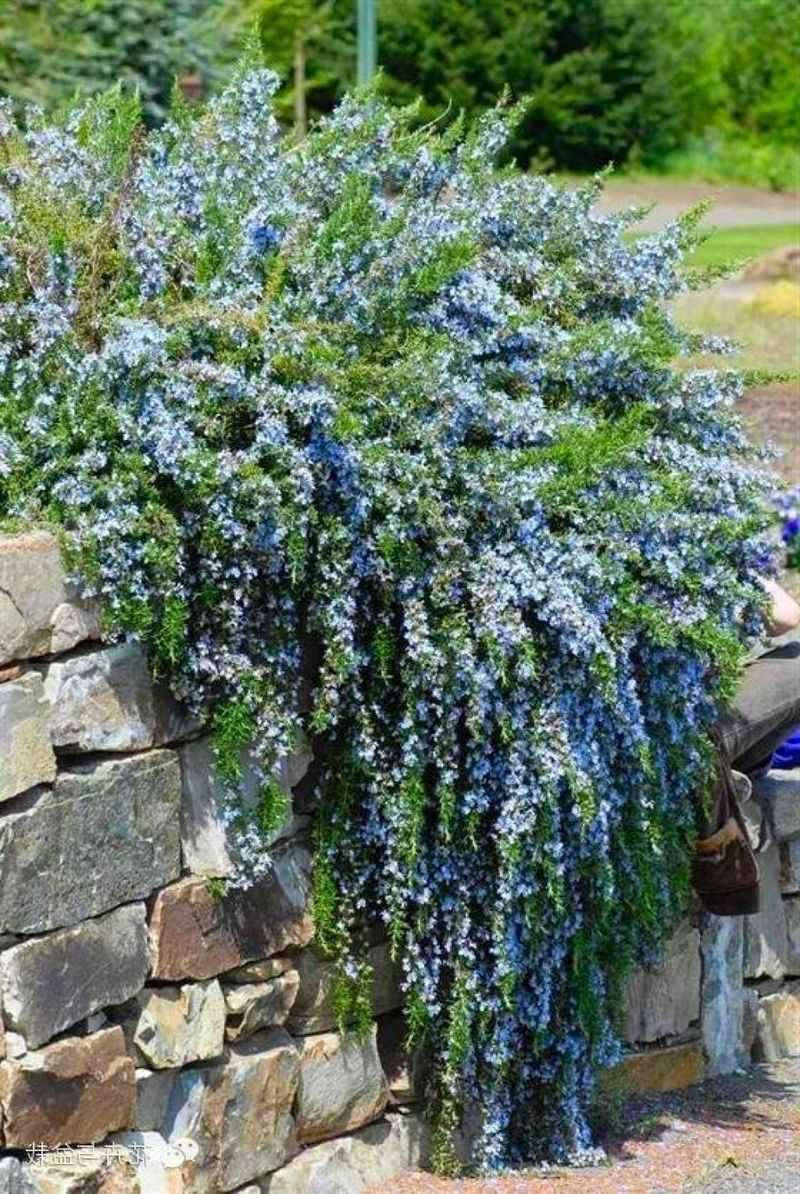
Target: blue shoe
x=787 y=756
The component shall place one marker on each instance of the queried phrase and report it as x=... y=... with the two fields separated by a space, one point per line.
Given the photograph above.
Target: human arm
x=785 y=612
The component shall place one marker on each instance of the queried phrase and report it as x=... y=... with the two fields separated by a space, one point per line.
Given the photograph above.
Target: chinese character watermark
x=168 y=1155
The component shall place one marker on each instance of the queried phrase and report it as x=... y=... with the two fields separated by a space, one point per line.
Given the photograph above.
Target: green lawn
x=740 y=243
x=748 y=240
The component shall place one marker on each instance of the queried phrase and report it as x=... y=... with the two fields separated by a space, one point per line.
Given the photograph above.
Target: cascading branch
x=369 y=439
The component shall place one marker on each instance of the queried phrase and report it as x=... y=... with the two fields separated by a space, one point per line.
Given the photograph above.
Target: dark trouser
x=765 y=710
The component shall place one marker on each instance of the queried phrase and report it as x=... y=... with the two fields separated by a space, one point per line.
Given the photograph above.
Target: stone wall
x=728 y=992
x=180 y=1041
x=140 y=1009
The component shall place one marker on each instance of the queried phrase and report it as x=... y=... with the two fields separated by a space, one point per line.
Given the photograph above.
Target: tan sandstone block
x=662 y=1069
x=40 y=614
x=26 y=753
x=252 y=1006
x=778 y=1031
x=195 y=935
x=76 y=1090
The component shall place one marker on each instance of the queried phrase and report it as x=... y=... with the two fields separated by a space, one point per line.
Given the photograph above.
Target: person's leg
x=765 y=710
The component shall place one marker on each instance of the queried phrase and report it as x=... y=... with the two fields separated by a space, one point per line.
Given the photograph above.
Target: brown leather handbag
x=725 y=868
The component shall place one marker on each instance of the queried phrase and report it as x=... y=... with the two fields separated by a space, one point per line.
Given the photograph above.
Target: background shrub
x=709 y=88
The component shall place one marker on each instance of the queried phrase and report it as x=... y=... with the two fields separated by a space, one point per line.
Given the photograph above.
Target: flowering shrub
x=370 y=440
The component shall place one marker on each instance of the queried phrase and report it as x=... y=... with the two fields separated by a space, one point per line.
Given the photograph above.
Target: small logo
x=180 y=1151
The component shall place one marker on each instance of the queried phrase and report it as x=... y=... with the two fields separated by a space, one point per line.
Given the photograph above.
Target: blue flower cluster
x=788 y=507
x=373 y=442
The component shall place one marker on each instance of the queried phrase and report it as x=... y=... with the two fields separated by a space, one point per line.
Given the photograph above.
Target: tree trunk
x=300 y=110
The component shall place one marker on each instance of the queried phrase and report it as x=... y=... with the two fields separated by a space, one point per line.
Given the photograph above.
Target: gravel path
x=735 y=1135
x=732 y=205
x=772 y=414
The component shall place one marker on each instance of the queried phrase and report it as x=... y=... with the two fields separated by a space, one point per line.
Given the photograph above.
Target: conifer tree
x=49 y=49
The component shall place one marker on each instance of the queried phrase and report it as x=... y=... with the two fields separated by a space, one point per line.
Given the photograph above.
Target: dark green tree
x=762 y=68
x=49 y=49
x=598 y=71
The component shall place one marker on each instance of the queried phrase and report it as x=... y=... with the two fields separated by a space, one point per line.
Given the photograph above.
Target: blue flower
x=791 y=528
x=265 y=237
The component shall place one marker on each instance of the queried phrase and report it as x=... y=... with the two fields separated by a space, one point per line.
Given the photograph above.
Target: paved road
x=733 y=206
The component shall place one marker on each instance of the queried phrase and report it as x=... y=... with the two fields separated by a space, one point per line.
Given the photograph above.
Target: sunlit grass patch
x=780 y=299
x=744 y=241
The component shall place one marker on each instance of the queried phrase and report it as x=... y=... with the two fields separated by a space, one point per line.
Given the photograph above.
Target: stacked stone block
x=772 y=940
x=141 y=1010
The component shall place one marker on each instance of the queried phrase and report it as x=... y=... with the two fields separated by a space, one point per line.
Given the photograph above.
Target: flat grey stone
x=767 y=986
x=779 y=794
x=791 y=908
x=175 y=722
x=52 y=982
x=790 y=867
x=107 y=834
x=765 y=940
x=153 y=1090
x=15 y=1177
x=352 y=1164
x=342 y=1085
x=40 y=614
x=724 y=1011
x=664 y=1001
x=205 y=841
x=313 y=1009
x=26 y=755
x=100 y=700
x=95 y=1022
